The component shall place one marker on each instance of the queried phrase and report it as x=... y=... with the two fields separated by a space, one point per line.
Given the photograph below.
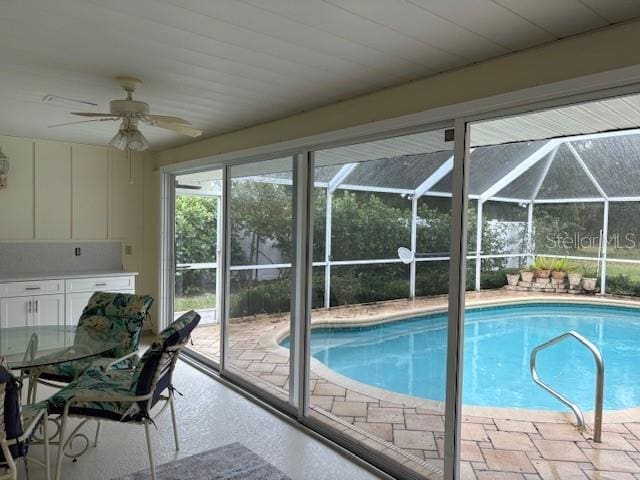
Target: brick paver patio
x=411 y=431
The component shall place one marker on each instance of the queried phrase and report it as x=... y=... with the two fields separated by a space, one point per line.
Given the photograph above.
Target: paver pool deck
x=497 y=443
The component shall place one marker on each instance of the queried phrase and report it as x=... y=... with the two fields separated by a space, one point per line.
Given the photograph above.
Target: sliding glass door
x=197 y=241
x=259 y=274
x=379 y=324
x=323 y=279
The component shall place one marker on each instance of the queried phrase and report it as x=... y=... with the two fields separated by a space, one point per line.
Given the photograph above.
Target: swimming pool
x=409 y=356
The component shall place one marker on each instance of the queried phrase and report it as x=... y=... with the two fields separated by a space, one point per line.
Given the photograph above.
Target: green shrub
x=622 y=285
x=493 y=279
x=368 y=283
x=267 y=296
x=195 y=282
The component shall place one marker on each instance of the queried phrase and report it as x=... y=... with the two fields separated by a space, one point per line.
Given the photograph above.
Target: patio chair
x=17 y=426
x=107 y=316
x=127 y=396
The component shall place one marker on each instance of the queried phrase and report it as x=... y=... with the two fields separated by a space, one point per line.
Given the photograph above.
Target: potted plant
x=527 y=274
x=513 y=277
x=542 y=267
x=559 y=268
x=575 y=277
x=589 y=281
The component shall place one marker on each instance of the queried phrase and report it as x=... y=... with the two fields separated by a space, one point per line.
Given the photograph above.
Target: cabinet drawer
x=27 y=289
x=100 y=284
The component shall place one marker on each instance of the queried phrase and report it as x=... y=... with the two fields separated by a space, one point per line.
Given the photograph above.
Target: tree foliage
x=365 y=225
x=196 y=227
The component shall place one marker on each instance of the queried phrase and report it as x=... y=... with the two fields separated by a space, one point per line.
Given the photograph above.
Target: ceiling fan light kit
x=132 y=112
x=129 y=139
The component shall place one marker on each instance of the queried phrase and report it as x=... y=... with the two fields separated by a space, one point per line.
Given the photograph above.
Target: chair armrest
x=118 y=360
x=28 y=429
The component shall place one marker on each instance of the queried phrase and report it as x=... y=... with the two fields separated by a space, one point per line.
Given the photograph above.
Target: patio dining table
x=29 y=347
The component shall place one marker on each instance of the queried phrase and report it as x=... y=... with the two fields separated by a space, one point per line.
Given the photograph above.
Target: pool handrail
x=597 y=356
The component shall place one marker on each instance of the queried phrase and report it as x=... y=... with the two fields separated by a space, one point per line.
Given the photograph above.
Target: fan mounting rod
x=129 y=84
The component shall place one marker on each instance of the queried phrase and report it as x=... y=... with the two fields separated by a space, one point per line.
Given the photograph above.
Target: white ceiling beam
x=545 y=172
x=569 y=200
x=521 y=168
x=431 y=181
x=341 y=176
x=625 y=199
x=278 y=181
x=366 y=188
x=584 y=167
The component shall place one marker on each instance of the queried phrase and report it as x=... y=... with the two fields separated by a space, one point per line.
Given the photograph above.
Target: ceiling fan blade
x=93 y=114
x=169 y=119
x=83 y=121
x=176 y=127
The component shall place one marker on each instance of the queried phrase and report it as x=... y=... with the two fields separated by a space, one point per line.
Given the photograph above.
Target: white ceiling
x=226 y=64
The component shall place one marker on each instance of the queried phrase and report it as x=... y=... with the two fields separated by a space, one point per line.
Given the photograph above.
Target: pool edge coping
x=271 y=341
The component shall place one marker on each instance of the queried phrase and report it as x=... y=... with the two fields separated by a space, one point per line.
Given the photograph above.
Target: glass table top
x=27 y=347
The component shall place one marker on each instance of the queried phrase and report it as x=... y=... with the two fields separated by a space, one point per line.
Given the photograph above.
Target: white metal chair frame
x=28 y=430
x=34 y=376
x=166 y=366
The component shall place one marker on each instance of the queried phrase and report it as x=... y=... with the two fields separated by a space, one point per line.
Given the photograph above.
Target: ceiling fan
x=130 y=113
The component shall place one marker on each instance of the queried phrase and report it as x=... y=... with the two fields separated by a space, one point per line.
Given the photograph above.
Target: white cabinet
x=54 y=302
x=15 y=312
x=75 y=304
x=48 y=310
x=35 y=311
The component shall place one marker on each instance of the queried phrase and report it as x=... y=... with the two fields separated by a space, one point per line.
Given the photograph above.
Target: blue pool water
x=408 y=356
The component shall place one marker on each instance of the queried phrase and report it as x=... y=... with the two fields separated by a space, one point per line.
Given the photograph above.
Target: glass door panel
x=260 y=277
x=382 y=227
x=197 y=240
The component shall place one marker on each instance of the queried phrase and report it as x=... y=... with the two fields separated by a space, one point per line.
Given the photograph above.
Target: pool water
x=409 y=356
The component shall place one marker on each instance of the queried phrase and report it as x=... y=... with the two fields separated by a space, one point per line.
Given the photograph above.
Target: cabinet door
x=75 y=304
x=15 y=312
x=48 y=310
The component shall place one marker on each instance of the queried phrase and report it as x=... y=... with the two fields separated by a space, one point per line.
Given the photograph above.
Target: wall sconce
x=4 y=170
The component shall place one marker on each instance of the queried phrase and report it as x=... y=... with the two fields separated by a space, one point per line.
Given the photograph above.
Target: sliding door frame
x=593 y=88
x=166 y=287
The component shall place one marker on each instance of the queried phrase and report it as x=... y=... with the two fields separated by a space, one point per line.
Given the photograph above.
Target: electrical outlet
x=128 y=250
x=78 y=251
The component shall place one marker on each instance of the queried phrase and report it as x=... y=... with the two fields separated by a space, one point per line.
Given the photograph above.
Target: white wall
x=63 y=191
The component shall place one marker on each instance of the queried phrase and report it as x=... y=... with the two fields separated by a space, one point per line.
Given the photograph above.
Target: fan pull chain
x=130 y=166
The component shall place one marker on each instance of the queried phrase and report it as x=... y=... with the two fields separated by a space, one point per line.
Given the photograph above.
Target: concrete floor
x=210 y=415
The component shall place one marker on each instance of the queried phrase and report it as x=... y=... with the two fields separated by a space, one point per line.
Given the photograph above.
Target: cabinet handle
x=33 y=288
x=101 y=284
x=29 y=306
x=37 y=306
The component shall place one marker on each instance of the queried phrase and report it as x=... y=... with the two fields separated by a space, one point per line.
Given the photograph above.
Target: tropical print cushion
x=107 y=317
x=67 y=371
x=114 y=316
x=124 y=382
x=95 y=383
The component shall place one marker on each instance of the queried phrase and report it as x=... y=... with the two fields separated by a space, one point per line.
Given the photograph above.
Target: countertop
x=30 y=277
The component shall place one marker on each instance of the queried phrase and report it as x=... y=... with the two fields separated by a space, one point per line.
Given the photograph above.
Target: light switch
x=128 y=250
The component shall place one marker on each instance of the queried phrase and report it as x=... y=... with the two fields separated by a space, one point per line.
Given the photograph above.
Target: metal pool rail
x=597 y=356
